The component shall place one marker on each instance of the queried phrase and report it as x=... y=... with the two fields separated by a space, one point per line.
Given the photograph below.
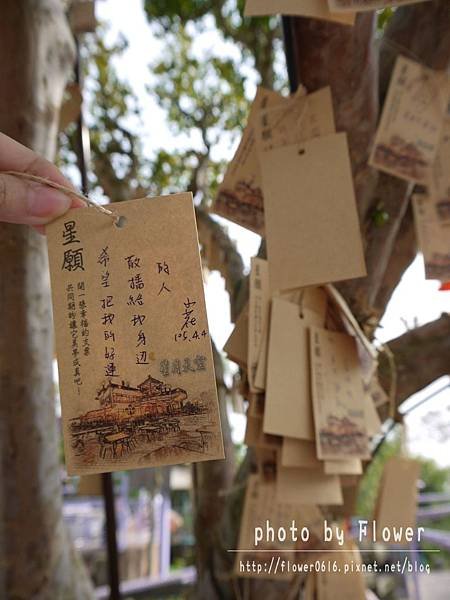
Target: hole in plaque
x=120 y=222
x=301 y=151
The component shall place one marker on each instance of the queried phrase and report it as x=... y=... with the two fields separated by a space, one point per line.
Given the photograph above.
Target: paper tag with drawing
x=312 y=225
x=440 y=180
x=338 y=396
x=315 y=9
x=410 y=128
x=134 y=354
x=240 y=197
x=363 y=5
x=433 y=233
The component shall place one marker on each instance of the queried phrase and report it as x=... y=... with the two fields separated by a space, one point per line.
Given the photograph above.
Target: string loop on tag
x=65 y=190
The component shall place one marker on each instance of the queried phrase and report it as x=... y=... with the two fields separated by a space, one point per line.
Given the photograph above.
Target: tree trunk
x=347 y=59
x=36 y=556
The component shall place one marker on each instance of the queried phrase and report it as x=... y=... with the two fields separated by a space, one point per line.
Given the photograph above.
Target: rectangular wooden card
x=336 y=583
x=308 y=486
x=312 y=226
x=82 y=16
x=410 y=128
x=301 y=118
x=338 y=396
x=433 y=234
x=440 y=180
x=399 y=481
x=315 y=9
x=240 y=196
x=338 y=6
x=261 y=504
x=288 y=408
x=134 y=354
x=258 y=315
x=299 y=453
x=348 y=466
x=236 y=347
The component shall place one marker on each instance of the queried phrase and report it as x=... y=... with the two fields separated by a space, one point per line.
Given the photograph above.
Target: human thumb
x=30 y=203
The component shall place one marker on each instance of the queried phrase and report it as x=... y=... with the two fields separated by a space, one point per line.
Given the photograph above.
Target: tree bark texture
x=37 y=560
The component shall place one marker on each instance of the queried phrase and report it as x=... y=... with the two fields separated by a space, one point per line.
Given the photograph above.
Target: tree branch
x=421 y=356
x=403 y=253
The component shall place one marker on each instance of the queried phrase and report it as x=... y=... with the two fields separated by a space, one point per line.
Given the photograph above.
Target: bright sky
x=416 y=301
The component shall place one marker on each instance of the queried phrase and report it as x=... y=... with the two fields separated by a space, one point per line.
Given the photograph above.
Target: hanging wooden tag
x=261 y=504
x=71 y=107
x=236 y=347
x=338 y=396
x=338 y=6
x=134 y=354
x=410 y=128
x=90 y=485
x=316 y=9
x=301 y=118
x=348 y=466
x=433 y=234
x=258 y=314
x=240 y=197
x=82 y=16
x=299 y=453
x=338 y=583
x=312 y=225
x=288 y=408
x=308 y=486
x=399 y=481
x=440 y=180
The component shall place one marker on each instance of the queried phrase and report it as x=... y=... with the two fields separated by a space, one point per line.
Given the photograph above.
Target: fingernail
x=47 y=203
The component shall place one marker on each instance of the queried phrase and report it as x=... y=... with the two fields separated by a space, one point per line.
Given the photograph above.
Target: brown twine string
x=64 y=189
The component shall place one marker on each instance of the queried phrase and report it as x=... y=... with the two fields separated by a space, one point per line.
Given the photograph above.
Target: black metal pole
x=289 y=50
x=83 y=156
x=111 y=540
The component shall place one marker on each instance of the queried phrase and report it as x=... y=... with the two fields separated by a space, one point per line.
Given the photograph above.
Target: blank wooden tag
x=236 y=347
x=312 y=225
x=316 y=9
x=399 y=482
x=288 y=408
x=299 y=453
x=90 y=485
x=334 y=584
x=408 y=134
x=82 y=16
x=134 y=354
x=338 y=396
x=308 y=486
x=349 y=466
x=71 y=107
